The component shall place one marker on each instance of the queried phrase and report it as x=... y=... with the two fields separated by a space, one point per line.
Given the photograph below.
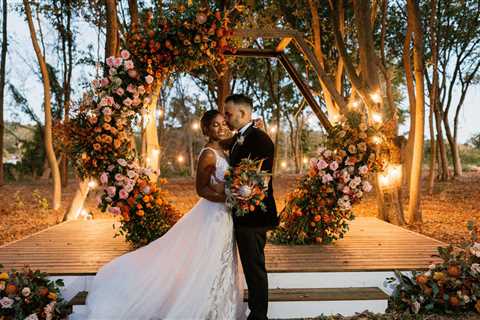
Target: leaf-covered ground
x=445 y=213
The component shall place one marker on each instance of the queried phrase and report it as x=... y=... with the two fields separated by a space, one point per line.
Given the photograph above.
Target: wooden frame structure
x=286 y=37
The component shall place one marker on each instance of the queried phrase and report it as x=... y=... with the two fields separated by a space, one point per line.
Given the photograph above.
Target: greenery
x=451 y=286
x=29 y=294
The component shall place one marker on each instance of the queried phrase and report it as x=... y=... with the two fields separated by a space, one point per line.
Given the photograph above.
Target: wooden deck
x=82 y=247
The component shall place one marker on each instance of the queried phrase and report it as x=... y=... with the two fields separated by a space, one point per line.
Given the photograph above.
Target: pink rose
x=107 y=111
x=114 y=210
x=125 y=54
x=333 y=166
x=363 y=170
x=111 y=191
x=322 y=164
x=127 y=102
x=117 y=62
x=149 y=79
x=327 y=178
x=129 y=64
x=131 y=88
x=110 y=61
x=119 y=177
x=122 y=162
x=146 y=190
x=346 y=190
x=141 y=89
x=104 y=82
x=123 y=194
x=104 y=178
x=120 y=91
x=110 y=167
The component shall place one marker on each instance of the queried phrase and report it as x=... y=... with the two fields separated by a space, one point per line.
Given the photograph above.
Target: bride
x=192 y=271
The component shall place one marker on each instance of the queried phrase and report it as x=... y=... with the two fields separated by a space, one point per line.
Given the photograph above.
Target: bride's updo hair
x=207 y=119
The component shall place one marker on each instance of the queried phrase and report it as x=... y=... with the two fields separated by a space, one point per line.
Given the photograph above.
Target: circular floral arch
x=190 y=37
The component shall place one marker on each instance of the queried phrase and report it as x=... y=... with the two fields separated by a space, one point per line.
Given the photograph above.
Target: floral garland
x=185 y=38
x=29 y=295
x=101 y=142
x=100 y=136
x=452 y=285
x=320 y=207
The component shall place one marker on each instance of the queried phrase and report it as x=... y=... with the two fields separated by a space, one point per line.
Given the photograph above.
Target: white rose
x=26 y=291
x=245 y=191
x=475 y=267
x=475 y=249
x=33 y=316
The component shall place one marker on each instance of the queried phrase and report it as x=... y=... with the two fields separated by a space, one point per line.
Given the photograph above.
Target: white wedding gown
x=189 y=273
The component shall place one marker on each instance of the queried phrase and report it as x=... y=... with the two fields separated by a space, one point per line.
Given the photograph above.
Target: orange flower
x=146 y=199
x=139 y=206
x=317 y=218
x=117 y=143
x=52 y=296
x=11 y=289
x=97 y=146
x=159 y=201
x=140 y=213
x=477 y=306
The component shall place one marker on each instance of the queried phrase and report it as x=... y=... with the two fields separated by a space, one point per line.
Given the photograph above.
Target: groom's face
x=236 y=115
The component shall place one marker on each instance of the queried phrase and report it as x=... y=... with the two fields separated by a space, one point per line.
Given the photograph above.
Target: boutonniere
x=240 y=140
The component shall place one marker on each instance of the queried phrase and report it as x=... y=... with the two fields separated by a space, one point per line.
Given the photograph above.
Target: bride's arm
x=205 y=170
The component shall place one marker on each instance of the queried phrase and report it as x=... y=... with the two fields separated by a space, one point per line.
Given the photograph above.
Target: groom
x=251 y=229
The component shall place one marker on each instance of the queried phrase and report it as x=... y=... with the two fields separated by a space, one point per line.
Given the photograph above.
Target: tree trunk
x=78 y=200
x=112 y=43
x=411 y=99
x=223 y=89
x=152 y=146
x=332 y=110
x=443 y=159
x=414 y=212
x=48 y=111
x=457 y=162
x=3 y=59
x=433 y=152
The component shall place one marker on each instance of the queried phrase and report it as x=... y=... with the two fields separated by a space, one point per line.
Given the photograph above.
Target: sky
x=21 y=60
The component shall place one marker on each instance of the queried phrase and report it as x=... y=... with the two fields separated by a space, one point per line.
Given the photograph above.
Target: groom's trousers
x=251 y=245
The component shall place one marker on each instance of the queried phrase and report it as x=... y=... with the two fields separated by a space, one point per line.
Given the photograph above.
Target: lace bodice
x=221 y=164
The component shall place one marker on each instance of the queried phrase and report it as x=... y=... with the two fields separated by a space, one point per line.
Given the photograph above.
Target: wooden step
x=284 y=295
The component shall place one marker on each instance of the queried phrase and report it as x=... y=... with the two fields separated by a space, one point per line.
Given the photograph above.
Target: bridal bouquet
x=246 y=187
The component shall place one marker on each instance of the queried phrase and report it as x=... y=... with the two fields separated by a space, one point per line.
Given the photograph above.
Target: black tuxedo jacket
x=256 y=145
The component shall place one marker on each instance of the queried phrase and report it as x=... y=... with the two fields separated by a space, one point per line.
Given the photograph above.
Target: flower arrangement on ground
x=30 y=295
x=246 y=186
x=452 y=285
x=320 y=207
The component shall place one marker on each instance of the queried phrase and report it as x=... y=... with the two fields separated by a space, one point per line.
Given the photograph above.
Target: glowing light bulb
x=376 y=139
x=376 y=117
x=284 y=164
x=273 y=129
x=305 y=160
x=376 y=97
x=180 y=159
x=92 y=184
x=355 y=104
x=155 y=152
x=195 y=126
x=391 y=177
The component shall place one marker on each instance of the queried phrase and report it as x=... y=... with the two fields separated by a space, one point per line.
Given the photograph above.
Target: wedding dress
x=189 y=273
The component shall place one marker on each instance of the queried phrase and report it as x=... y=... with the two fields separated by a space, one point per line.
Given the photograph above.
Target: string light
x=391 y=177
x=376 y=117
x=195 y=126
x=180 y=159
x=284 y=164
x=92 y=184
x=355 y=104
x=376 y=97
x=305 y=160
x=376 y=139
x=155 y=152
x=273 y=129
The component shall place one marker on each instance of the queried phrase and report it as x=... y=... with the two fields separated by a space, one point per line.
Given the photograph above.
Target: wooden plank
x=283 y=44
x=252 y=52
x=294 y=294
x=82 y=247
